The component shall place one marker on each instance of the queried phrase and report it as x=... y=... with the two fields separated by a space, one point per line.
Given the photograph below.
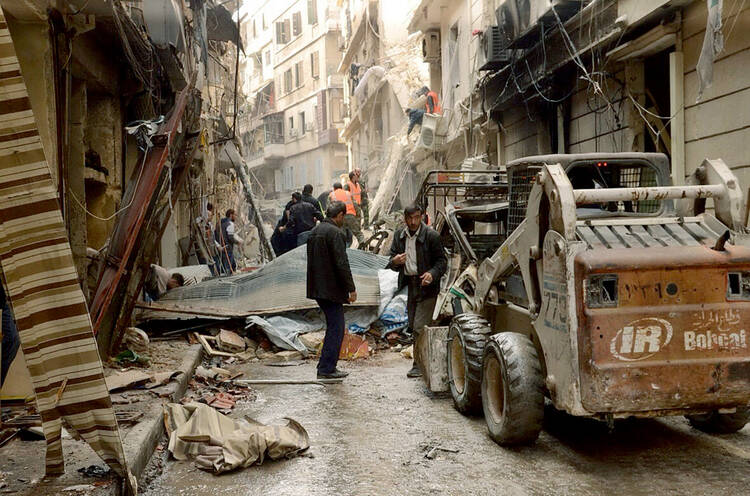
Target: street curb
x=142 y=440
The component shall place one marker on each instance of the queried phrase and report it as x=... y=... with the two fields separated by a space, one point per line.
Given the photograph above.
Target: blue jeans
x=302 y=238
x=329 y=356
x=11 y=341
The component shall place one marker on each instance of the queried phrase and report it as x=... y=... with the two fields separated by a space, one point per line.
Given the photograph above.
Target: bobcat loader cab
x=614 y=295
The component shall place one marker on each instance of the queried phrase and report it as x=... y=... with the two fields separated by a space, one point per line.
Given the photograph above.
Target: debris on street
x=220 y=444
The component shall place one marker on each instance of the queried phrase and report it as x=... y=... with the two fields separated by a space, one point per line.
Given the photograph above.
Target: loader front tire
x=720 y=423
x=467 y=337
x=512 y=389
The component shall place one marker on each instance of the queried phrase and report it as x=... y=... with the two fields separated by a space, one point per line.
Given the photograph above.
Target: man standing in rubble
x=350 y=218
x=330 y=283
x=307 y=196
x=302 y=217
x=355 y=189
x=226 y=236
x=417 y=255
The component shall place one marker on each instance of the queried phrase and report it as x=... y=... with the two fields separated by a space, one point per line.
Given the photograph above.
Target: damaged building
x=538 y=77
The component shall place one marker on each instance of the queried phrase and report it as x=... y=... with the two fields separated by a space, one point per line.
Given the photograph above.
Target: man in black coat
x=307 y=196
x=417 y=255
x=330 y=283
x=302 y=217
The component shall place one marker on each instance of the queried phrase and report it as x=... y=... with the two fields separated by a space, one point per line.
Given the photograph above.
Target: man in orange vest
x=355 y=189
x=431 y=106
x=351 y=222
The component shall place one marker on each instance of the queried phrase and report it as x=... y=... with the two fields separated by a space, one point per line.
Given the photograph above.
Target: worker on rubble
x=226 y=236
x=307 y=196
x=417 y=255
x=351 y=222
x=355 y=189
x=365 y=199
x=330 y=283
x=302 y=218
x=11 y=341
x=159 y=281
x=431 y=106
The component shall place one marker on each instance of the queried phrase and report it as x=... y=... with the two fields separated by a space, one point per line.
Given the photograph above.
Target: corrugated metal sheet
x=277 y=287
x=649 y=232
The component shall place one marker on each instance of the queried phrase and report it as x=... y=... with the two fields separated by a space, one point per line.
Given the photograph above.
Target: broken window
x=315 y=65
x=296 y=23
x=312 y=11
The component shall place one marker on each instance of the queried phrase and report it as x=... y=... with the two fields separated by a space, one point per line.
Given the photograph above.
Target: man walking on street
x=330 y=283
x=302 y=216
x=350 y=218
x=417 y=255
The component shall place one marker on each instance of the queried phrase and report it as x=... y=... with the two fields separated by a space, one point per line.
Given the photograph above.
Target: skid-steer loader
x=615 y=294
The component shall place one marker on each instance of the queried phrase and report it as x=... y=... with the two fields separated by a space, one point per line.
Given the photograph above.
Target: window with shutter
x=302 y=122
x=296 y=23
x=296 y=76
x=278 y=181
x=315 y=65
x=288 y=81
x=312 y=11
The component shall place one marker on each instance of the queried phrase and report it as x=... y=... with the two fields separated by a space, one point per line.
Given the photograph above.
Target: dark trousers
x=418 y=309
x=329 y=356
x=302 y=238
x=227 y=261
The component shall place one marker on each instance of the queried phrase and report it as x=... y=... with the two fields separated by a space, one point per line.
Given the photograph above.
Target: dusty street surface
x=369 y=436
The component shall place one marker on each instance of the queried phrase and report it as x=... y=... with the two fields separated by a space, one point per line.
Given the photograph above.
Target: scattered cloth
x=222 y=444
x=713 y=45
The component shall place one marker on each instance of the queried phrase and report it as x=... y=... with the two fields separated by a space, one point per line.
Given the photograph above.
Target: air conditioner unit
x=431 y=46
x=492 y=54
x=428 y=137
x=293 y=133
x=516 y=18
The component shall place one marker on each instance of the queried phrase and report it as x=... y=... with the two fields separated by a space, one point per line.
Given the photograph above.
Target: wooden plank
x=718 y=116
x=644 y=236
x=204 y=341
x=679 y=233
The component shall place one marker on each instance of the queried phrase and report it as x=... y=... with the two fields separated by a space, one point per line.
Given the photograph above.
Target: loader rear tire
x=720 y=423
x=467 y=337
x=512 y=389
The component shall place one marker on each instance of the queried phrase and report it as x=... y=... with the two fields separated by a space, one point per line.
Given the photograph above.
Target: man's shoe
x=414 y=372
x=336 y=374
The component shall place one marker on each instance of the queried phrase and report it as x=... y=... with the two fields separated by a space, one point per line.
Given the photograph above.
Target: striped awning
x=37 y=264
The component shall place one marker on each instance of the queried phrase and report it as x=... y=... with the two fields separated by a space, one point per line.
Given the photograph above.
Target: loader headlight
x=738 y=285
x=601 y=291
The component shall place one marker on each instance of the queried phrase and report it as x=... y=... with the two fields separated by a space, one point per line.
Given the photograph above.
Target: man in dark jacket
x=417 y=255
x=330 y=283
x=307 y=196
x=302 y=216
x=226 y=236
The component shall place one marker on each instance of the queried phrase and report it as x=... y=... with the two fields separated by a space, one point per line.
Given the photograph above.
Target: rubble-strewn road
x=368 y=437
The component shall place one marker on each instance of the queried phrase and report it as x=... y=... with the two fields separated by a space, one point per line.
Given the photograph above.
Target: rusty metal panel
x=672 y=340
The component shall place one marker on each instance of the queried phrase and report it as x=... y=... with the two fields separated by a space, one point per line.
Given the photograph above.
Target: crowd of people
x=304 y=211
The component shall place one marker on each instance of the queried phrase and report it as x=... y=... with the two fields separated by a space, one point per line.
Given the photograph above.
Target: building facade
x=591 y=76
x=290 y=125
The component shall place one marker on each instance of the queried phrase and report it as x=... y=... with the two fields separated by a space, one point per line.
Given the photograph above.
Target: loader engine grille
x=520 y=180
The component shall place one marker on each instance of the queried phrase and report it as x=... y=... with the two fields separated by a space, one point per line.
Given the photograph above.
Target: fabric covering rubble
x=222 y=444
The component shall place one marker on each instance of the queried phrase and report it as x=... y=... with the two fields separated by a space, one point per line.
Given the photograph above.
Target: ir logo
x=641 y=339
